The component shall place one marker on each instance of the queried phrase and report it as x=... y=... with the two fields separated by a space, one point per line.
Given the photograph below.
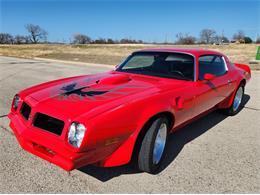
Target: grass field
x=114 y=54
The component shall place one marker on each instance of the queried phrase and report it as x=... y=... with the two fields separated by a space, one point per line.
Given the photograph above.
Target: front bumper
x=50 y=148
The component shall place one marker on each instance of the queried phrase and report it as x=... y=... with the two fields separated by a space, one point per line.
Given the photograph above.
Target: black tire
x=145 y=157
x=231 y=111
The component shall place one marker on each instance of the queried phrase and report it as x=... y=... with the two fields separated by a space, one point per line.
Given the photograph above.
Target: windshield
x=161 y=64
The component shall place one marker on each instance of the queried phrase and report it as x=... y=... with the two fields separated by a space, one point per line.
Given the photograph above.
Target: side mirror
x=209 y=76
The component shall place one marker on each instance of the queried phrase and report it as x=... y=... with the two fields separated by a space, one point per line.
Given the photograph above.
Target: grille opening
x=48 y=123
x=25 y=111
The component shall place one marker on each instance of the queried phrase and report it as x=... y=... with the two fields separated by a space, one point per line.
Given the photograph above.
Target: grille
x=48 y=123
x=25 y=111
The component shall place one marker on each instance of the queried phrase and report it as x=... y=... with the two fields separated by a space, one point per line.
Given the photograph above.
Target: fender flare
x=228 y=102
x=234 y=93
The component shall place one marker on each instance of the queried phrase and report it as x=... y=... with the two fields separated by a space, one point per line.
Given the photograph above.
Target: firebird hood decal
x=70 y=89
x=104 y=92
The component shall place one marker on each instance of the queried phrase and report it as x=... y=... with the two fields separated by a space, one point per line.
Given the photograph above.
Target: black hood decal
x=70 y=90
x=103 y=92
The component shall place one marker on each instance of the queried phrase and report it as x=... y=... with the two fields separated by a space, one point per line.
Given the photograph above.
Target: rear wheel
x=153 y=145
x=237 y=101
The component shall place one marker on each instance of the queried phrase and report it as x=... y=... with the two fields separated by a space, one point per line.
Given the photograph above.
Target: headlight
x=16 y=101
x=76 y=134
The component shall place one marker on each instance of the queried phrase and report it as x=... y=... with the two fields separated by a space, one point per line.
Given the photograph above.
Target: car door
x=210 y=92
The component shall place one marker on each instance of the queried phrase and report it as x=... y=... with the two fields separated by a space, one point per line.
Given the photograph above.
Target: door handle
x=229 y=82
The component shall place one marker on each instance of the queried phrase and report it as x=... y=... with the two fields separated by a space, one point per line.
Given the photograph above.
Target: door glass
x=212 y=64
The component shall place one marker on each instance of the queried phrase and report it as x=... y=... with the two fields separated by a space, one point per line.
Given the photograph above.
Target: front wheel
x=237 y=101
x=153 y=145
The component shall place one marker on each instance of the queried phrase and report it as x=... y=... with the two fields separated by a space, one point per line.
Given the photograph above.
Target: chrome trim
x=226 y=67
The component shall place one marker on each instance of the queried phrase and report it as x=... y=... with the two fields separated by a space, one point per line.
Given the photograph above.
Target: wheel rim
x=238 y=98
x=159 y=144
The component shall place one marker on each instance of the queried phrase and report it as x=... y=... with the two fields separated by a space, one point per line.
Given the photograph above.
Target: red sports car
x=102 y=119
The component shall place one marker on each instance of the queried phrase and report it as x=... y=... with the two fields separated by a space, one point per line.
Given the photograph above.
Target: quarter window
x=212 y=64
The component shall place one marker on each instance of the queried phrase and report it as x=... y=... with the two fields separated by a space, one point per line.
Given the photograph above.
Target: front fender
x=123 y=154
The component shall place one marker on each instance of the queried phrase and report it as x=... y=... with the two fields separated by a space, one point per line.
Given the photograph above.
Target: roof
x=193 y=51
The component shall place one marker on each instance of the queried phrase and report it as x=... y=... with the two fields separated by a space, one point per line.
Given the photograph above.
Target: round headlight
x=16 y=101
x=76 y=134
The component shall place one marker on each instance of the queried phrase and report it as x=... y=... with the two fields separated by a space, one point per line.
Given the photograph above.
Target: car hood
x=98 y=93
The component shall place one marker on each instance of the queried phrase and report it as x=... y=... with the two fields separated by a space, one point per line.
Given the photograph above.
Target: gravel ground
x=216 y=154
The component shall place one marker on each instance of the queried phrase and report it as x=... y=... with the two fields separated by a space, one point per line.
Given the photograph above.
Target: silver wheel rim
x=159 y=144
x=238 y=98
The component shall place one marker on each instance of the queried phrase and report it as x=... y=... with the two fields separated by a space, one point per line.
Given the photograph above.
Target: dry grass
x=114 y=54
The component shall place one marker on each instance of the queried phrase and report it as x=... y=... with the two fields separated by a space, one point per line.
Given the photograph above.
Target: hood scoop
x=114 y=79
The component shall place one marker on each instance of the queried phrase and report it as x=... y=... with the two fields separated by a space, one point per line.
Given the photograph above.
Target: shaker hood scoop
x=115 y=79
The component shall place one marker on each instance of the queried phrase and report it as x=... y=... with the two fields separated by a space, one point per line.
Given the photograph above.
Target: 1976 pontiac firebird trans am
x=108 y=119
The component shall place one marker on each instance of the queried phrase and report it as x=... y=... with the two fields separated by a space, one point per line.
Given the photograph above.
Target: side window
x=212 y=64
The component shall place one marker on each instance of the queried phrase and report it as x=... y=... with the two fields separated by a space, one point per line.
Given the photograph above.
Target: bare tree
x=129 y=41
x=225 y=39
x=185 y=39
x=217 y=39
x=240 y=35
x=20 y=39
x=207 y=36
x=6 y=38
x=36 y=33
x=81 y=39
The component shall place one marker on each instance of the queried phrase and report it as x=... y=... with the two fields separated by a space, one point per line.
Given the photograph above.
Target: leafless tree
x=185 y=39
x=36 y=33
x=217 y=39
x=81 y=39
x=6 y=38
x=225 y=39
x=129 y=41
x=207 y=36
x=240 y=35
x=20 y=39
